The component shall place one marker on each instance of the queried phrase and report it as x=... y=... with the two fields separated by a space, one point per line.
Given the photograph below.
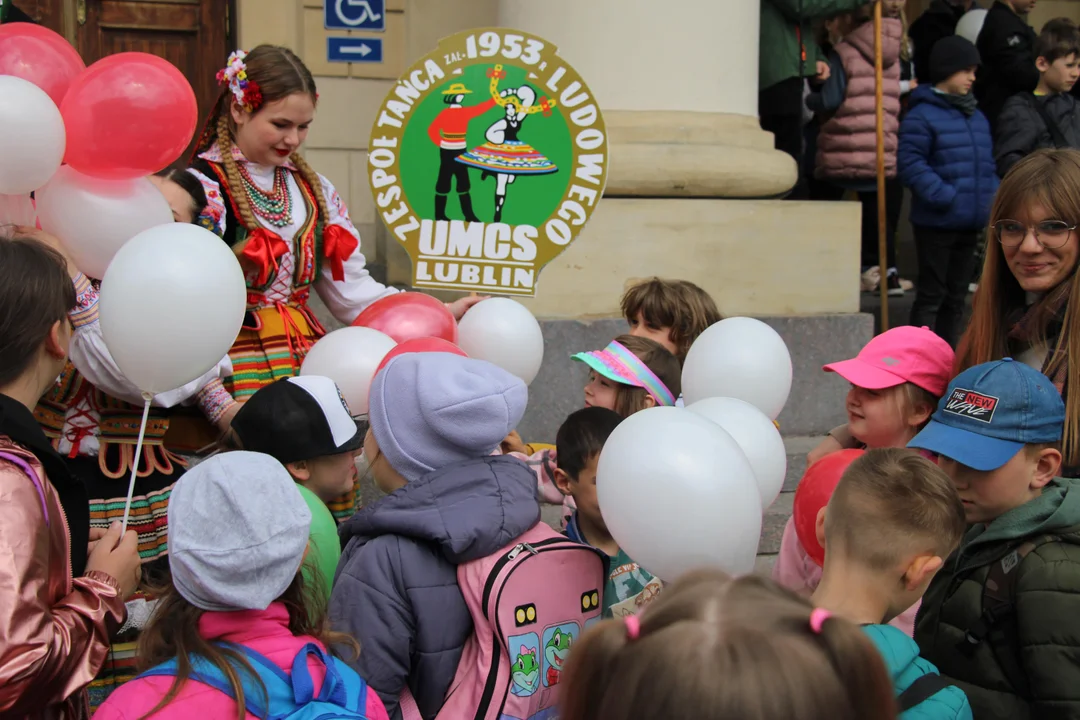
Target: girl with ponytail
x=714 y=647
x=285 y=222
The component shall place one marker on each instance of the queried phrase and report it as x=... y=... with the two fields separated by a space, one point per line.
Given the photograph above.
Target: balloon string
x=138 y=457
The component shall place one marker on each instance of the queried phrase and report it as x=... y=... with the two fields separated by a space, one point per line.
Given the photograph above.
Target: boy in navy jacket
x=946 y=157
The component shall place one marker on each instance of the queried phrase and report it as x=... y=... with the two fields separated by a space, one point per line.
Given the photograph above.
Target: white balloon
x=94 y=217
x=677 y=493
x=739 y=357
x=970 y=24
x=504 y=333
x=758 y=437
x=33 y=139
x=349 y=356
x=172 y=303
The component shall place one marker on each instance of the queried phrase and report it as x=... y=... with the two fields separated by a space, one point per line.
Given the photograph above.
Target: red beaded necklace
x=275 y=206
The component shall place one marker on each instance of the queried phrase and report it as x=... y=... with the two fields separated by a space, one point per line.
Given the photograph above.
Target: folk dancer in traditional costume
x=448 y=131
x=286 y=223
x=504 y=156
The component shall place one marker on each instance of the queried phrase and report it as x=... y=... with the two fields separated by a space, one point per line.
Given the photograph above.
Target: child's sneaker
x=870 y=279
x=896 y=289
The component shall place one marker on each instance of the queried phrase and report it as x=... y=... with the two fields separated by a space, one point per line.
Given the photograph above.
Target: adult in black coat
x=937 y=21
x=1006 y=45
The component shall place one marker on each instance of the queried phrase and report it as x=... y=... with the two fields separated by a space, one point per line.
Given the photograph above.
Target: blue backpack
x=343 y=695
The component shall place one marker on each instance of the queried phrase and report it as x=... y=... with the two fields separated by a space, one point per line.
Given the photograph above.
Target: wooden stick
x=879 y=107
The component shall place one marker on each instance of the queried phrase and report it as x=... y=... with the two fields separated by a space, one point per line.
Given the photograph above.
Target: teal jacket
x=901 y=656
x=784 y=23
x=1043 y=634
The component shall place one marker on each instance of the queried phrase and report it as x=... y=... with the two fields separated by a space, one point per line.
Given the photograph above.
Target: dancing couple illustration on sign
x=503 y=157
x=458 y=119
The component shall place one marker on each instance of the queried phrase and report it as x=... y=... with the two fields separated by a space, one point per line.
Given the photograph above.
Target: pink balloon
x=409 y=315
x=38 y=55
x=128 y=115
x=425 y=344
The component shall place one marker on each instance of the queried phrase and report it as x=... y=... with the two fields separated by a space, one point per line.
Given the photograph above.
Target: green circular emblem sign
x=486 y=160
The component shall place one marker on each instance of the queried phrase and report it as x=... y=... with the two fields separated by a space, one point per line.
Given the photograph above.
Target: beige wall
x=1048 y=9
x=350 y=93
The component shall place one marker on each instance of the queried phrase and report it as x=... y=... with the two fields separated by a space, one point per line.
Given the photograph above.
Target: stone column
x=678 y=84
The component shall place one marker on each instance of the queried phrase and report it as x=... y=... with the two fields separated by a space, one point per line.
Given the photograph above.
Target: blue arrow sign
x=354 y=14
x=350 y=49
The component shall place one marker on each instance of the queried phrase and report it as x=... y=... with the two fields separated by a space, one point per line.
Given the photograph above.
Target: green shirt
x=629 y=587
x=324 y=549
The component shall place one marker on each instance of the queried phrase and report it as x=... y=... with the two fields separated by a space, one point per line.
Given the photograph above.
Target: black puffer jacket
x=1021 y=130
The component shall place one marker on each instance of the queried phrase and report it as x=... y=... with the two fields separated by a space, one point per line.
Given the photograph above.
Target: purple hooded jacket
x=396 y=587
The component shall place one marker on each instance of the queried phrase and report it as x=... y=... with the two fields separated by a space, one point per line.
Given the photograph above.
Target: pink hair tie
x=818 y=616
x=633 y=627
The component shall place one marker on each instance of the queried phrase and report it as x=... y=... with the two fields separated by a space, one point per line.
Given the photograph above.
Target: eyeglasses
x=1048 y=233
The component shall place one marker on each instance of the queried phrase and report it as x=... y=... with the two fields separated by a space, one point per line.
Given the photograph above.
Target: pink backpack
x=530 y=602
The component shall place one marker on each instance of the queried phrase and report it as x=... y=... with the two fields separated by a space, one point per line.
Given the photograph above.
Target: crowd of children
x=951 y=562
x=986 y=538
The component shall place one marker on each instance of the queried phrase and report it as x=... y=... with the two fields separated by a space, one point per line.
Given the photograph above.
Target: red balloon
x=426 y=344
x=408 y=316
x=38 y=55
x=813 y=493
x=128 y=115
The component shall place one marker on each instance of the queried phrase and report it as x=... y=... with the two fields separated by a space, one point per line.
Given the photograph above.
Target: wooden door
x=44 y=12
x=194 y=35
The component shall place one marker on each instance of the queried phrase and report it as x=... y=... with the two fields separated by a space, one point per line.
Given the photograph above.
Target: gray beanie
x=238 y=529
x=431 y=409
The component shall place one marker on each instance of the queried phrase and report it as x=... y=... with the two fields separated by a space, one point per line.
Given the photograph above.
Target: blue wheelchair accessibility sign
x=354 y=15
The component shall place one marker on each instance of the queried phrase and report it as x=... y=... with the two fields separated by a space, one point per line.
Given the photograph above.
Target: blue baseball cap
x=990 y=412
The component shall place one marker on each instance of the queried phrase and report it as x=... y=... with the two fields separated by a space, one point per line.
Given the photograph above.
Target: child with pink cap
x=896 y=382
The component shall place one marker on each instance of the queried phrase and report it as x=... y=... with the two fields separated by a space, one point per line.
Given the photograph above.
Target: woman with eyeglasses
x=1027 y=306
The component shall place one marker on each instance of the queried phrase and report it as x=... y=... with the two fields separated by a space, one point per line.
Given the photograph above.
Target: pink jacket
x=54 y=630
x=795 y=570
x=847 y=143
x=543 y=464
x=266 y=632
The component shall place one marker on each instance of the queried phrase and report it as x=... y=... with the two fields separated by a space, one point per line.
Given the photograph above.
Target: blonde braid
x=236 y=186
x=313 y=180
x=905 y=41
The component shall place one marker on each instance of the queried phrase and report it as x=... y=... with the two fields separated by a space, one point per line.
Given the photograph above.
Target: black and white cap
x=298 y=418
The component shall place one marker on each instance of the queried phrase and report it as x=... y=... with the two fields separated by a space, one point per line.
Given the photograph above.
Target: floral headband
x=246 y=91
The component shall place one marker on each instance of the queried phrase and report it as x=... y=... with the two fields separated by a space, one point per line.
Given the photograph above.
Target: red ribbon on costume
x=338 y=245
x=263 y=249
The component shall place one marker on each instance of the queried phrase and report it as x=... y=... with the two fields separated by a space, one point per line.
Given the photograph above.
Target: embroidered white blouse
x=346 y=299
